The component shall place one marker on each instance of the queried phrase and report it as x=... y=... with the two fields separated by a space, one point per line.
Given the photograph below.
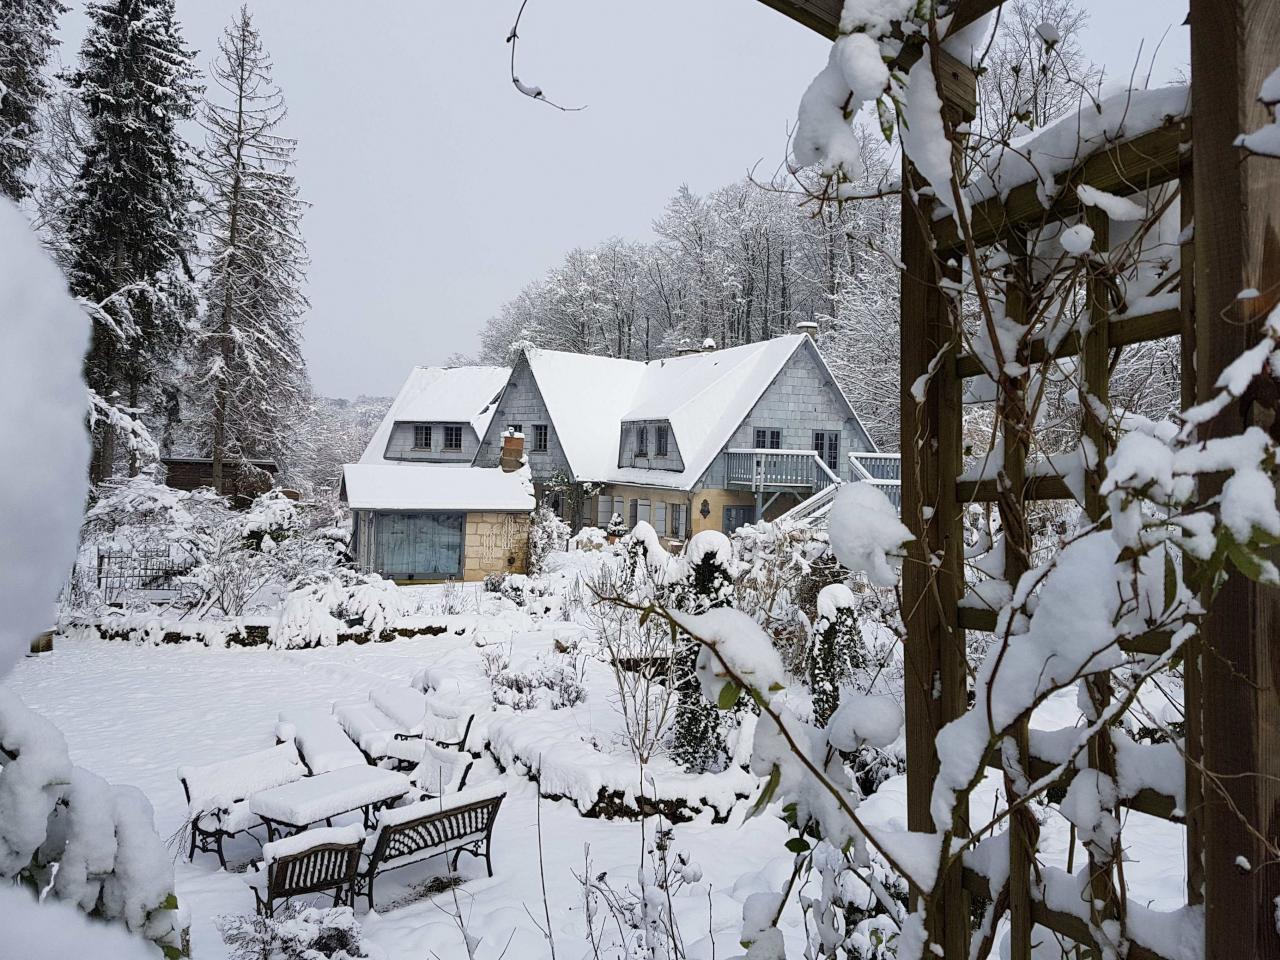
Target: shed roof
x=436 y=486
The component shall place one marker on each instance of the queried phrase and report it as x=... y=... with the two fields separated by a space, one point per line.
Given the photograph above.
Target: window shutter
x=644 y=510
x=660 y=517
x=634 y=513
x=603 y=505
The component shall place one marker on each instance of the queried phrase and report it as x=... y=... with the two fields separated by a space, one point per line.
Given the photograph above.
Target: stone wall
x=495 y=543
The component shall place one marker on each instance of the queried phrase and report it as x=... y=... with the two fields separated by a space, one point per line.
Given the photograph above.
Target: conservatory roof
x=440 y=395
x=436 y=486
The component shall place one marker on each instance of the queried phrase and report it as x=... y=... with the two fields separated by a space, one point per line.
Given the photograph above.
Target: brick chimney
x=512 y=451
x=810 y=327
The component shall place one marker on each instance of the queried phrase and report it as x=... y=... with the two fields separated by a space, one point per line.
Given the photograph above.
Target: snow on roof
x=586 y=397
x=705 y=396
x=436 y=486
x=440 y=395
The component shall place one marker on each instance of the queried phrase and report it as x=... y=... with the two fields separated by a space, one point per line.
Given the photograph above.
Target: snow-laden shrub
x=220 y=561
x=837 y=649
x=554 y=682
x=318 y=608
x=300 y=933
x=547 y=533
x=96 y=842
x=617 y=526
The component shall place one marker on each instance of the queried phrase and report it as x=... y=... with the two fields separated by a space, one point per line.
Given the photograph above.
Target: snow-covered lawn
x=135 y=713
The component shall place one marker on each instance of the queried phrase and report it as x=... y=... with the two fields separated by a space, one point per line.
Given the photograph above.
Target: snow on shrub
x=300 y=933
x=547 y=533
x=865 y=532
x=96 y=841
x=319 y=608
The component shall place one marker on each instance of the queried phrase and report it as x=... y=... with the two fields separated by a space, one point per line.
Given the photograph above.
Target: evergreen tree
x=837 y=651
x=27 y=34
x=697 y=734
x=250 y=355
x=129 y=224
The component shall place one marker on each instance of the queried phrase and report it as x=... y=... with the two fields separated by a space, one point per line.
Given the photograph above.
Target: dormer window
x=642 y=441
x=422 y=436
x=453 y=438
x=660 y=441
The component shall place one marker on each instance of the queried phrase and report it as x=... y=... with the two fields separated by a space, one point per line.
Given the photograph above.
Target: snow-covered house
x=421 y=510
x=702 y=441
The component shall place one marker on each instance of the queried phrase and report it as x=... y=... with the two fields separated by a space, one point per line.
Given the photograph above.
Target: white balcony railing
x=763 y=470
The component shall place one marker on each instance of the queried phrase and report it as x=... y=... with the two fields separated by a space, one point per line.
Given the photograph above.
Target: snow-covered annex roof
x=705 y=396
x=436 y=486
x=440 y=395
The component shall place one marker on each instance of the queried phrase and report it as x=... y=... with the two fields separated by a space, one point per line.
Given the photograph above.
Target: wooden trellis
x=1231 y=209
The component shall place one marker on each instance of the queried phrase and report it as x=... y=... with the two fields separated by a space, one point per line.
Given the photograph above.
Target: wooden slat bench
x=460 y=822
x=317 y=861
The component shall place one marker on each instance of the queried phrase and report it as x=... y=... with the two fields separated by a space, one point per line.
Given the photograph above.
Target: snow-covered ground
x=135 y=713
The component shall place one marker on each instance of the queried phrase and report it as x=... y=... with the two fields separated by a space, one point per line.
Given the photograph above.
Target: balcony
x=776 y=471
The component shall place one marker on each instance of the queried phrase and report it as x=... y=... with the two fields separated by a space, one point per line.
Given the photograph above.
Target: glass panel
x=760 y=439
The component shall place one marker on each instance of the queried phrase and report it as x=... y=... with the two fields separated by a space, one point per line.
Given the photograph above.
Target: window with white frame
x=453 y=438
x=422 y=436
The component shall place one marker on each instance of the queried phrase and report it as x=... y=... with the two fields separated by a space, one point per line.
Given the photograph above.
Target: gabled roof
x=436 y=486
x=705 y=396
x=440 y=395
x=586 y=397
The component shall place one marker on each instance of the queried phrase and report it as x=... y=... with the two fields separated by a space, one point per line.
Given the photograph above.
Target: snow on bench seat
x=404 y=705
x=321 y=741
x=309 y=840
x=218 y=790
x=329 y=794
x=369 y=727
x=438 y=771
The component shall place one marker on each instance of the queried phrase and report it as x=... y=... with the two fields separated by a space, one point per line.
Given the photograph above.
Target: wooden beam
x=1035 y=488
x=1235 y=44
x=1065 y=924
x=1123 y=332
x=1126 y=168
x=980 y=619
x=821 y=16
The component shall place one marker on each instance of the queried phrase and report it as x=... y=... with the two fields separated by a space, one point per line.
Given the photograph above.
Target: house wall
x=495 y=543
x=521 y=402
x=801 y=399
x=627 y=447
x=400 y=444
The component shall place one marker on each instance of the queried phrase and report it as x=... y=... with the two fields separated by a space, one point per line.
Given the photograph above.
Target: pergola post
x=1235 y=44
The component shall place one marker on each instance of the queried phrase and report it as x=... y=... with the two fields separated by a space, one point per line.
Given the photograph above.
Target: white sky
x=439 y=191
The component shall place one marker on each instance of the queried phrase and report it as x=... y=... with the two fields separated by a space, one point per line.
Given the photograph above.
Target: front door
x=419 y=546
x=735 y=517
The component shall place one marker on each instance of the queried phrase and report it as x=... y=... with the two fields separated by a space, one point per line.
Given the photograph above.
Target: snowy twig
x=532 y=92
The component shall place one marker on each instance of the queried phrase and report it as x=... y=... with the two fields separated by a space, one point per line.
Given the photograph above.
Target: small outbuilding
x=424 y=522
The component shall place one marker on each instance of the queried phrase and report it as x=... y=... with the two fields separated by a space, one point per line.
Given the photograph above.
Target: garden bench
x=461 y=822
x=217 y=793
x=322 y=743
x=436 y=771
x=368 y=727
x=312 y=862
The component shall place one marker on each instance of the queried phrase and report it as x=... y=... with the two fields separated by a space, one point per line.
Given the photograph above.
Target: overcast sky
x=438 y=191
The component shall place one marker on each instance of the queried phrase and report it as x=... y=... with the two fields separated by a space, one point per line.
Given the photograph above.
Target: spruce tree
x=697 y=734
x=28 y=31
x=129 y=225
x=250 y=356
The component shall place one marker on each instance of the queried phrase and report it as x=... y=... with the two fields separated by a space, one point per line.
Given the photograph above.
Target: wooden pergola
x=1231 y=203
